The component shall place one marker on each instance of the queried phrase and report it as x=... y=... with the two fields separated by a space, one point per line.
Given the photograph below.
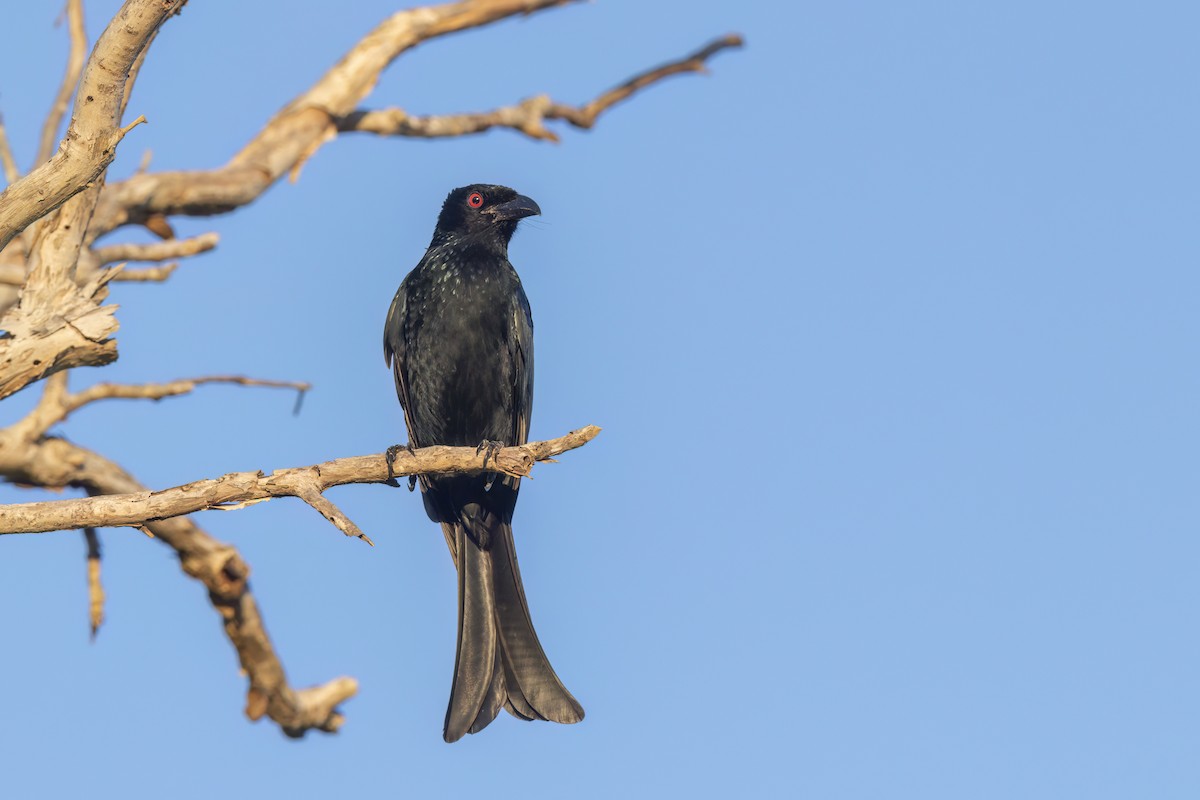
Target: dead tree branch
x=307 y=483
x=91 y=140
x=529 y=115
x=56 y=404
x=67 y=88
x=57 y=323
x=146 y=274
x=11 y=173
x=299 y=130
x=55 y=463
x=158 y=251
x=73 y=333
x=13 y=274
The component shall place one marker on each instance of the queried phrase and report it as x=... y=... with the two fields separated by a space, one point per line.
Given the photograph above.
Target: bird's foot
x=390 y=457
x=489 y=450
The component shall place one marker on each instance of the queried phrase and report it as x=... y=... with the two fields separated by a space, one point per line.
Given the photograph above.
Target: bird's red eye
x=475 y=200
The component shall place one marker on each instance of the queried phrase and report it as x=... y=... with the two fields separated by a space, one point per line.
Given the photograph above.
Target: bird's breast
x=459 y=356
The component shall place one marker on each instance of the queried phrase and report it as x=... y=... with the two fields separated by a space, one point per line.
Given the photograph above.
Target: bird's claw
x=390 y=456
x=489 y=449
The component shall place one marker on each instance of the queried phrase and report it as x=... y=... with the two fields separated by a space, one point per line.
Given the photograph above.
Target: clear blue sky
x=891 y=326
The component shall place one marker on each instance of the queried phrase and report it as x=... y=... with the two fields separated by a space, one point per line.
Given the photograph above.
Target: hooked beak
x=517 y=208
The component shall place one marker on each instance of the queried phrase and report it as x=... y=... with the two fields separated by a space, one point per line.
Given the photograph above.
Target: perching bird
x=459 y=338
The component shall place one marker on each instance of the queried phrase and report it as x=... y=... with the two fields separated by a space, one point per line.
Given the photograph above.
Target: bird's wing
x=521 y=351
x=395 y=354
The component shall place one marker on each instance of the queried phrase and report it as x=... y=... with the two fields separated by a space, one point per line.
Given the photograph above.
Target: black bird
x=459 y=338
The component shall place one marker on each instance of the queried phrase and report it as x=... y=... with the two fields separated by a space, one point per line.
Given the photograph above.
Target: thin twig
x=585 y=116
x=56 y=404
x=12 y=273
x=156 y=251
x=146 y=274
x=157 y=391
x=11 y=173
x=75 y=57
x=95 y=588
x=529 y=115
x=325 y=507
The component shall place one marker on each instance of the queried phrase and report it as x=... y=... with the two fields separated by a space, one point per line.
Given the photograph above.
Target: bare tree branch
x=310 y=492
x=70 y=79
x=57 y=323
x=76 y=336
x=91 y=140
x=529 y=115
x=585 y=116
x=56 y=462
x=296 y=132
x=143 y=275
x=143 y=507
x=11 y=173
x=157 y=251
x=57 y=404
x=13 y=274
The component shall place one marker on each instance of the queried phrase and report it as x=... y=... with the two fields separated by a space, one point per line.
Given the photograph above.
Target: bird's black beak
x=517 y=208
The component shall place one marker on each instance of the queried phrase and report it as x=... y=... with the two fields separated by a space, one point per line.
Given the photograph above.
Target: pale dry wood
x=54 y=462
x=529 y=115
x=13 y=273
x=156 y=251
x=299 y=129
x=89 y=145
x=75 y=54
x=58 y=321
x=56 y=403
x=76 y=333
x=9 y=164
x=310 y=492
x=145 y=274
x=143 y=507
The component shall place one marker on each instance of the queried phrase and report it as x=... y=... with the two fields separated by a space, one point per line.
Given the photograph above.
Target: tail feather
x=516 y=704
x=495 y=699
x=526 y=664
x=475 y=659
x=499 y=662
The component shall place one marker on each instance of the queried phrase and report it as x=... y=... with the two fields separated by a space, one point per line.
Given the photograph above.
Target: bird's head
x=483 y=211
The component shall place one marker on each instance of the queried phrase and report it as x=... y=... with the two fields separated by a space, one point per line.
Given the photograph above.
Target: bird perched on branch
x=459 y=338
